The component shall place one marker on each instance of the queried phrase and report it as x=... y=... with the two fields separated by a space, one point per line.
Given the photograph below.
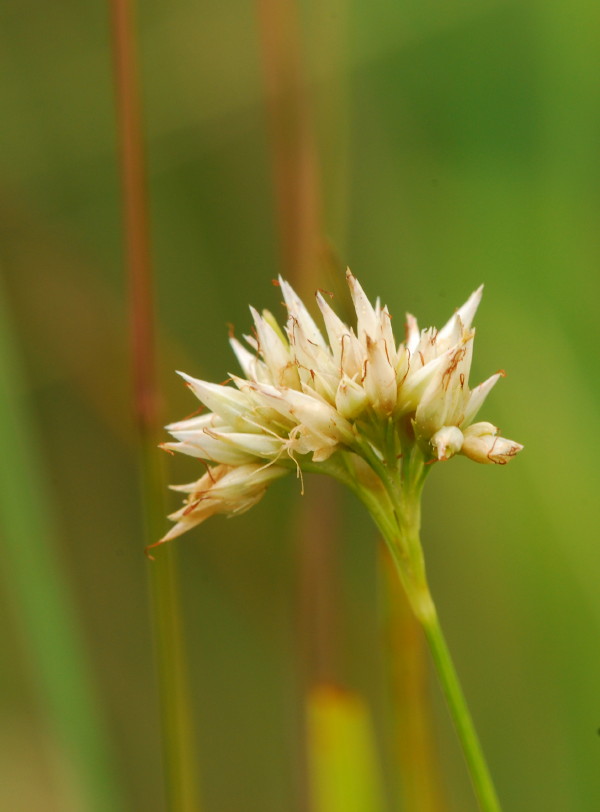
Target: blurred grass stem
x=298 y=208
x=292 y=142
x=179 y=761
x=414 y=744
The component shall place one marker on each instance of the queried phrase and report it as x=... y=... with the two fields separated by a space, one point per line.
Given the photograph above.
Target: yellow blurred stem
x=419 y=770
x=342 y=759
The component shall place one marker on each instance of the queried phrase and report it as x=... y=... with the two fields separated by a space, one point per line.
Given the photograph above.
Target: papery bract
x=306 y=399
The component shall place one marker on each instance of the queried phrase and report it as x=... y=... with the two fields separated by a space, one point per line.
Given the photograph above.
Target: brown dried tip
x=230 y=329
x=208 y=471
x=196 y=412
x=163 y=447
x=275 y=283
x=147 y=549
x=192 y=506
x=326 y=292
x=501 y=372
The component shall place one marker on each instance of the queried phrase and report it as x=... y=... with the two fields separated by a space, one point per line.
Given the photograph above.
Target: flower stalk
x=374 y=414
x=404 y=544
x=478 y=769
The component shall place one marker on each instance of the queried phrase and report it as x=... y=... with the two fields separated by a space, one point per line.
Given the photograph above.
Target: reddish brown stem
x=135 y=217
x=298 y=206
x=295 y=171
x=177 y=735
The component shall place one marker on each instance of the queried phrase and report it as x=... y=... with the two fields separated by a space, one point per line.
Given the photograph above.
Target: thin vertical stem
x=135 y=217
x=293 y=148
x=478 y=769
x=404 y=544
x=180 y=776
x=405 y=548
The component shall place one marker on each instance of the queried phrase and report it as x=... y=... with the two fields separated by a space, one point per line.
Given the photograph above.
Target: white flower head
x=307 y=401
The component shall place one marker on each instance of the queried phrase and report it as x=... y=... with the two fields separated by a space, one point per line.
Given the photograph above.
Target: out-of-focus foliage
x=458 y=145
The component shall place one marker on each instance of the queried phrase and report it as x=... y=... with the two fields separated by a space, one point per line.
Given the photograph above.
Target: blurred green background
x=457 y=144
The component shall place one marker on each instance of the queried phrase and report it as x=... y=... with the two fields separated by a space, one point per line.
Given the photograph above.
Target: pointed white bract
x=223 y=489
x=307 y=395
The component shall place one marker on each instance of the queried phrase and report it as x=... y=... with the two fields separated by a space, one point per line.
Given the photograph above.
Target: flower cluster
x=305 y=398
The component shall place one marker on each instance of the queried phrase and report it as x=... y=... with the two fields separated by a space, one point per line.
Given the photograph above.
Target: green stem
x=178 y=744
x=42 y=605
x=402 y=534
x=480 y=775
x=396 y=510
x=425 y=611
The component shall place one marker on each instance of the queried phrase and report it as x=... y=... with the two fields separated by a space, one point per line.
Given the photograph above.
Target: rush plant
x=370 y=412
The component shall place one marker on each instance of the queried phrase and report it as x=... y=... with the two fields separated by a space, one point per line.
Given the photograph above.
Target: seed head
x=305 y=398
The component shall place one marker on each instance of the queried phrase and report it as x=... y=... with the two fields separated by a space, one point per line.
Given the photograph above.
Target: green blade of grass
x=40 y=597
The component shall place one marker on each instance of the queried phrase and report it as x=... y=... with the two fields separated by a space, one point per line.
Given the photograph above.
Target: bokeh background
x=444 y=145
